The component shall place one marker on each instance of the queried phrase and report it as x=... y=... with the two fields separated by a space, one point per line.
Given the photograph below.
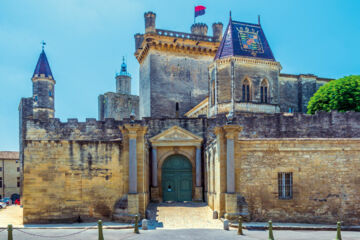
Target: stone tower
x=43 y=89
x=244 y=76
x=120 y=104
x=123 y=80
x=173 y=67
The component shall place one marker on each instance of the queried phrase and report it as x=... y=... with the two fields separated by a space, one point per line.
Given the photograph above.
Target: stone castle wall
x=117 y=105
x=322 y=152
x=69 y=167
x=296 y=91
x=168 y=78
x=325 y=179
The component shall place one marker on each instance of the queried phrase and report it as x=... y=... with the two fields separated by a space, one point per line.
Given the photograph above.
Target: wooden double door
x=177 y=179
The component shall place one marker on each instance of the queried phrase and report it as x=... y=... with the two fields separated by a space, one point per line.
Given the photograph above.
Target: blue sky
x=86 y=40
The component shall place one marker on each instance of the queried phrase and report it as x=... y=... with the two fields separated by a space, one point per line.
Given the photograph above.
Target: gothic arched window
x=264 y=91
x=212 y=92
x=246 y=91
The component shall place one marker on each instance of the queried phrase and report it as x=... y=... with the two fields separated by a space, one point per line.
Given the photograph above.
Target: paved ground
x=11 y=215
x=171 y=221
x=179 y=234
x=183 y=215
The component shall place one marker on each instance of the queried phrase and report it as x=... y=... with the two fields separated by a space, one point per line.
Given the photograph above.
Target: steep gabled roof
x=42 y=66
x=245 y=40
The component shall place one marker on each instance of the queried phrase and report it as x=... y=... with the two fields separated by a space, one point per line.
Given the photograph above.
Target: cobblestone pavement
x=11 y=215
x=183 y=215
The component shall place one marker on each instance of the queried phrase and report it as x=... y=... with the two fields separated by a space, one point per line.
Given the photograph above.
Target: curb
x=353 y=229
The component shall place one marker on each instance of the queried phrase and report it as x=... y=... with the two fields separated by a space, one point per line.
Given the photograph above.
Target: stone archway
x=176 y=141
x=177 y=179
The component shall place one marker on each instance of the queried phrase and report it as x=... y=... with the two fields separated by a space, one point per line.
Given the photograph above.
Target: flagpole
x=194 y=14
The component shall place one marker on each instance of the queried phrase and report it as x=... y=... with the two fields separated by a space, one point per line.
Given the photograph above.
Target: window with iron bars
x=285 y=184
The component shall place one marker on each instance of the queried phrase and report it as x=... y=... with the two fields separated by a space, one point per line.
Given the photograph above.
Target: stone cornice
x=247 y=60
x=175 y=44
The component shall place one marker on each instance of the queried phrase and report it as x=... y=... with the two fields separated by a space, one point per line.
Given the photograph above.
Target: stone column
x=154 y=167
x=198 y=196
x=198 y=167
x=132 y=163
x=230 y=171
x=231 y=207
x=154 y=181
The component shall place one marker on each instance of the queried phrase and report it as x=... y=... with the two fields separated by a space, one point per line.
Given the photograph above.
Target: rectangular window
x=0 y=182
x=0 y=169
x=18 y=169
x=262 y=94
x=285 y=185
x=18 y=182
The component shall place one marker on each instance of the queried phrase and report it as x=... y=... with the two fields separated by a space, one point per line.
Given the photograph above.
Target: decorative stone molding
x=176 y=43
x=176 y=136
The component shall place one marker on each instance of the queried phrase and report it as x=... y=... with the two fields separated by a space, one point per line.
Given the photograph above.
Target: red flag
x=199 y=10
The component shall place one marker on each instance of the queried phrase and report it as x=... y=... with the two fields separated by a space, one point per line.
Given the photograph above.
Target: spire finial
x=259 y=20
x=43 y=43
x=123 y=59
x=230 y=14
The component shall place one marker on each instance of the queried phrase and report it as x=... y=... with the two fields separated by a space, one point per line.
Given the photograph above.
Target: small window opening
x=18 y=182
x=36 y=98
x=285 y=185
x=177 y=109
x=50 y=94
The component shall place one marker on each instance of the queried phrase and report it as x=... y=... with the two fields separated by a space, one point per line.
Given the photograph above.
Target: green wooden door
x=177 y=179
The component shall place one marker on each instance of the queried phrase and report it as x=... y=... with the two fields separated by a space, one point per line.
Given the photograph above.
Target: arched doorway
x=177 y=179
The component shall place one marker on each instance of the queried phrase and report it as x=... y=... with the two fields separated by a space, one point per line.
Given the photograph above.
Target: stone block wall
x=168 y=78
x=325 y=179
x=74 y=169
x=321 y=151
x=65 y=180
x=118 y=106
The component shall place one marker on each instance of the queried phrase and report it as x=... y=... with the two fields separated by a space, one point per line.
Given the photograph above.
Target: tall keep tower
x=174 y=67
x=43 y=89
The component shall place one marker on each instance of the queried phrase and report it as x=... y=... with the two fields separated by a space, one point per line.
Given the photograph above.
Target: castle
x=216 y=121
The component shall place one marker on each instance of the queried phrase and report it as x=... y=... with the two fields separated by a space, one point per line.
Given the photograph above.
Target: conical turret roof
x=244 y=40
x=42 y=66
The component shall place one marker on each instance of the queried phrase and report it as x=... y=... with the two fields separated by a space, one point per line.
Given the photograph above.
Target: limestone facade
x=9 y=174
x=224 y=117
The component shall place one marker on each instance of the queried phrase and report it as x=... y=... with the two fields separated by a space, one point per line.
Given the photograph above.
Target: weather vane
x=43 y=44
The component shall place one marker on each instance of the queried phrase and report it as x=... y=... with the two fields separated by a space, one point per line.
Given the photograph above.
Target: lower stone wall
x=326 y=180
x=65 y=180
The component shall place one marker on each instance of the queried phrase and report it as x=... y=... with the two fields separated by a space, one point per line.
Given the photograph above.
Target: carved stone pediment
x=176 y=136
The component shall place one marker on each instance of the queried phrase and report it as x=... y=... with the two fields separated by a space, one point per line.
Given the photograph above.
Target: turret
x=123 y=80
x=199 y=29
x=150 y=18
x=43 y=89
x=217 y=31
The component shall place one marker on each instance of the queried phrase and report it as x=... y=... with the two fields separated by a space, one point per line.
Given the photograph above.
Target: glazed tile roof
x=42 y=66
x=246 y=40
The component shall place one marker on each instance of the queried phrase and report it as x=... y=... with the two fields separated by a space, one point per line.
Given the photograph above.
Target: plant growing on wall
x=342 y=95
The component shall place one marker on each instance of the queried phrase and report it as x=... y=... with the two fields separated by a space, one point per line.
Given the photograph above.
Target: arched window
x=246 y=91
x=212 y=92
x=264 y=91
